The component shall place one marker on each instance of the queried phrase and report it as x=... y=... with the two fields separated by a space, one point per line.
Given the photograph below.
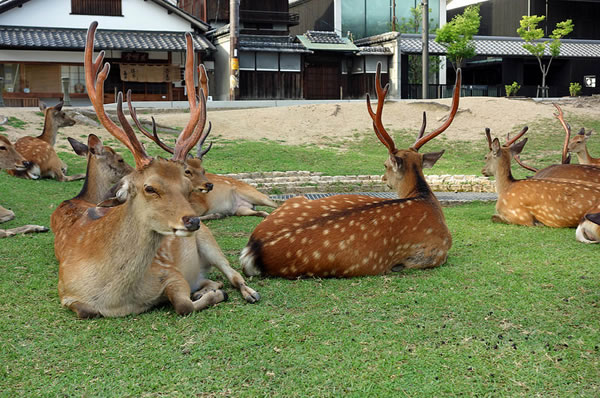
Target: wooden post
x=425 y=54
x=234 y=60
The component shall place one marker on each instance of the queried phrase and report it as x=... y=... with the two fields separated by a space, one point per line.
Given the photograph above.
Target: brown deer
x=588 y=230
x=45 y=163
x=554 y=203
x=11 y=159
x=582 y=173
x=355 y=235
x=106 y=254
x=578 y=146
x=105 y=168
x=228 y=196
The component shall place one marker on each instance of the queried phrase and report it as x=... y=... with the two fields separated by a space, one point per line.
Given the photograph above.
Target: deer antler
x=200 y=154
x=383 y=136
x=94 y=80
x=488 y=135
x=509 y=141
x=523 y=165
x=567 y=129
x=454 y=108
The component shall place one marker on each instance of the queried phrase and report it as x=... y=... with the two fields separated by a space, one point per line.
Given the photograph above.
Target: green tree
x=413 y=25
x=532 y=35
x=457 y=35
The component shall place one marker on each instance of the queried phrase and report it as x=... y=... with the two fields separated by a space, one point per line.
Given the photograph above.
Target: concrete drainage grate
x=444 y=197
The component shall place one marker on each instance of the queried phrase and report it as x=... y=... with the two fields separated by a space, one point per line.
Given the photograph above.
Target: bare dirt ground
x=323 y=123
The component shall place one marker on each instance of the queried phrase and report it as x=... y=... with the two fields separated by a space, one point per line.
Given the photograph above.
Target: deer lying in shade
x=354 y=235
x=11 y=159
x=106 y=254
x=554 y=203
x=39 y=151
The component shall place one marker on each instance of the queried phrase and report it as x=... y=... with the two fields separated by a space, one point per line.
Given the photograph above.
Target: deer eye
x=3 y=148
x=150 y=189
x=121 y=161
x=188 y=173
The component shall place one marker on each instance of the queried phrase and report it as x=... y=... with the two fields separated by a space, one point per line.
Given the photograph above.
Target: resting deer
x=228 y=196
x=588 y=230
x=11 y=159
x=554 y=203
x=578 y=146
x=106 y=255
x=585 y=174
x=45 y=163
x=355 y=235
x=105 y=168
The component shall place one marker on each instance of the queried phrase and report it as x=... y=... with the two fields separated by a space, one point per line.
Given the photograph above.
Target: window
x=96 y=7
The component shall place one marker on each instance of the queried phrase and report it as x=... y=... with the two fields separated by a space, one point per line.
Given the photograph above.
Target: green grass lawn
x=514 y=311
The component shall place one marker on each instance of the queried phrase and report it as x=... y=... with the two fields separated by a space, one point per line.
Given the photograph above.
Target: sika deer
x=588 y=230
x=106 y=255
x=11 y=159
x=355 y=235
x=578 y=146
x=554 y=203
x=40 y=150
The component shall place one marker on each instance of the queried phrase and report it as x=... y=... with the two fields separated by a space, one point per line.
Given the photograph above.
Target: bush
x=574 y=89
x=512 y=89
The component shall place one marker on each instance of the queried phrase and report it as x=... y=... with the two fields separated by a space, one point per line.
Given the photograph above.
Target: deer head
x=10 y=158
x=498 y=159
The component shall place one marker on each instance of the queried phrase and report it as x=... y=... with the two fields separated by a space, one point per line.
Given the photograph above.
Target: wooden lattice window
x=96 y=7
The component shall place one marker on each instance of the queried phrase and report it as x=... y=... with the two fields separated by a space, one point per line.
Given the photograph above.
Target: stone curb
x=298 y=182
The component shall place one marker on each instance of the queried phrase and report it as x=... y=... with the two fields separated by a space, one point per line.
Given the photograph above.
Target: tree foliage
x=532 y=35
x=457 y=35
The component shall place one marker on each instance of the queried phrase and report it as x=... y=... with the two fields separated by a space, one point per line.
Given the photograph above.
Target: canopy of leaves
x=532 y=34
x=457 y=35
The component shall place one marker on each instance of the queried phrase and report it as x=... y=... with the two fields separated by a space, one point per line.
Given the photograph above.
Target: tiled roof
x=375 y=50
x=326 y=41
x=504 y=46
x=284 y=44
x=25 y=37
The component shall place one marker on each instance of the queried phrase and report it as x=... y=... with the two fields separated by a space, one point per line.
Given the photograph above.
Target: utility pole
x=394 y=18
x=425 y=53
x=234 y=60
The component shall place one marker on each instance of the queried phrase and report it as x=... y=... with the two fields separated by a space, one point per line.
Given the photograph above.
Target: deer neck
x=94 y=187
x=503 y=174
x=413 y=184
x=50 y=129
x=583 y=156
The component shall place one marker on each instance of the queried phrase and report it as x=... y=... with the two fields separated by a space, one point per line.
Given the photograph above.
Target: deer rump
x=349 y=236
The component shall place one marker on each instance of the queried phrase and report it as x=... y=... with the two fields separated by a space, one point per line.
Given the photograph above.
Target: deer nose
x=191 y=223
x=27 y=163
x=209 y=186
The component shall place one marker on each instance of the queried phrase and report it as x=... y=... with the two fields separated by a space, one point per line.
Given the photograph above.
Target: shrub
x=574 y=89
x=512 y=89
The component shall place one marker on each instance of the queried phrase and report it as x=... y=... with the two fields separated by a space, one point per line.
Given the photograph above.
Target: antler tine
x=455 y=100
x=94 y=82
x=380 y=131
x=523 y=165
x=203 y=79
x=423 y=125
x=139 y=153
x=200 y=153
x=567 y=128
x=189 y=71
x=488 y=135
x=154 y=135
x=509 y=142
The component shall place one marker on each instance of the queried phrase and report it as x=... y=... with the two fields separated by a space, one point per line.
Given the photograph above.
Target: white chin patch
x=183 y=232
x=581 y=236
x=34 y=172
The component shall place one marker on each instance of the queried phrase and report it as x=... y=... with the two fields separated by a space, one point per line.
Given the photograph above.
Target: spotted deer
x=578 y=146
x=554 y=203
x=106 y=254
x=39 y=151
x=227 y=197
x=588 y=230
x=355 y=235
x=582 y=173
x=11 y=159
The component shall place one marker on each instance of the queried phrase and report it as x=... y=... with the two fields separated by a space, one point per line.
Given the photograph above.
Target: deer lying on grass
x=585 y=174
x=554 y=203
x=578 y=146
x=45 y=163
x=11 y=159
x=106 y=255
x=588 y=230
x=228 y=196
x=354 y=235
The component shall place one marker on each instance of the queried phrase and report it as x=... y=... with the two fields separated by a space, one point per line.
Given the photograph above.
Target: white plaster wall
x=8 y=56
x=137 y=15
x=221 y=75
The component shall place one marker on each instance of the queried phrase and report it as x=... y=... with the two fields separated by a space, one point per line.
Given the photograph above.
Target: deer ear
x=517 y=147
x=79 y=147
x=593 y=217
x=496 y=147
x=58 y=107
x=95 y=145
x=396 y=163
x=429 y=159
x=124 y=189
x=43 y=106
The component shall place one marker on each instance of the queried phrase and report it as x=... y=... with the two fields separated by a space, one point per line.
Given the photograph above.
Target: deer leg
x=499 y=219
x=25 y=229
x=246 y=211
x=214 y=216
x=84 y=311
x=6 y=215
x=206 y=286
x=178 y=292
x=209 y=250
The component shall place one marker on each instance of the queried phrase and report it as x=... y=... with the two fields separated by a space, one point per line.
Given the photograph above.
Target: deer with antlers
x=582 y=173
x=39 y=151
x=107 y=255
x=11 y=159
x=550 y=202
x=228 y=196
x=354 y=235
